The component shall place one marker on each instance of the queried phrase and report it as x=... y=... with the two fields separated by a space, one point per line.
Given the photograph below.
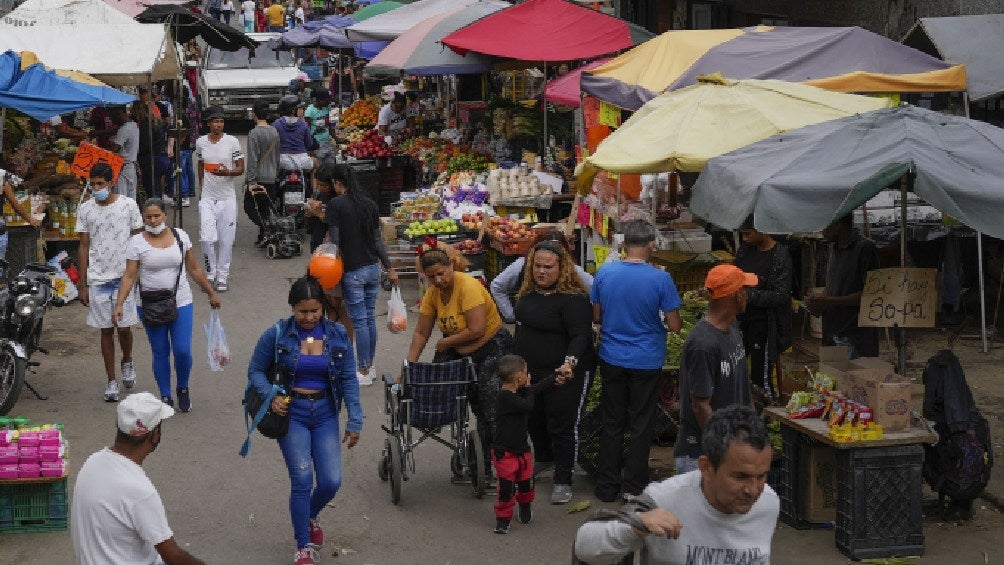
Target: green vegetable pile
x=693 y=307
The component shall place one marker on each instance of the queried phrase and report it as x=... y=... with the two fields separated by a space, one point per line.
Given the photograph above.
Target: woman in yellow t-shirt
x=471 y=326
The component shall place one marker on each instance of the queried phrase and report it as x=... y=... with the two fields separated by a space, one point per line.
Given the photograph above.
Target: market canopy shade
x=565 y=89
x=844 y=59
x=373 y=10
x=42 y=93
x=133 y=8
x=418 y=51
x=802 y=180
x=973 y=41
x=390 y=25
x=317 y=33
x=64 y=12
x=186 y=25
x=142 y=52
x=681 y=130
x=544 y=30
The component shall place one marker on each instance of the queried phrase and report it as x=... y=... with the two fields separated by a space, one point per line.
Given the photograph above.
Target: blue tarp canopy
x=328 y=33
x=43 y=94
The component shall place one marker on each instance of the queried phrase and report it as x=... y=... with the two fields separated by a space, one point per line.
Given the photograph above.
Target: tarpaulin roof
x=544 y=30
x=317 y=33
x=565 y=89
x=846 y=59
x=133 y=8
x=64 y=12
x=800 y=181
x=418 y=51
x=390 y=25
x=187 y=24
x=973 y=41
x=128 y=54
x=42 y=93
x=373 y=10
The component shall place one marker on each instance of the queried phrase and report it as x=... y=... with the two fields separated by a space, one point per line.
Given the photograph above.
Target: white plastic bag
x=217 y=349
x=397 y=312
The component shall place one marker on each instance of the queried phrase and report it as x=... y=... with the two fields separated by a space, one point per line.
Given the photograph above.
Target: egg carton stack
x=518 y=186
x=32 y=453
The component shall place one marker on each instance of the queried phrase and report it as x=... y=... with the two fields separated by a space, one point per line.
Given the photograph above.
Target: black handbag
x=160 y=307
x=258 y=412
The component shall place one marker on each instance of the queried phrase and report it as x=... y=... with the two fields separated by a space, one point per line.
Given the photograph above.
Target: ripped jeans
x=312 y=450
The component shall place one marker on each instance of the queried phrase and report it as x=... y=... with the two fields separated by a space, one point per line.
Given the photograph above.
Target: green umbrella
x=368 y=12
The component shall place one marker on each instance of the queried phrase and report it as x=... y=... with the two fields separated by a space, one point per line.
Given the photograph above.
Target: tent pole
x=906 y=186
x=3 y=122
x=149 y=131
x=979 y=261
x=543 y=98
x=340 y=77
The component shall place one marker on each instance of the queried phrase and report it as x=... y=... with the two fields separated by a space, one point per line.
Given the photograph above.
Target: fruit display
x=360 y=113
x=431 y=227
x=509 y=236
x=442 y=155
x=469 y=247
x=416 y=207
x=352 y=133
x=371 y=145
x=473 y=221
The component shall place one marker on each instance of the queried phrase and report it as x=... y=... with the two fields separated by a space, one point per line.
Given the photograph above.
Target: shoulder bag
x=258 y=412
x=160 y=306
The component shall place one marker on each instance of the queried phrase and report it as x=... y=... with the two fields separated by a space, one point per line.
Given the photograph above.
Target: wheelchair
x=431 y=397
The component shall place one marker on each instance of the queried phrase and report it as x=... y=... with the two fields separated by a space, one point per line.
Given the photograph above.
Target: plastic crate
x=789 y=487
x=880 y=502
x=33 y=507
x=22 y=247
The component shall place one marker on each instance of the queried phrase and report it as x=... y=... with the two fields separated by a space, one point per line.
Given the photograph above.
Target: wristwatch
x=571 y=361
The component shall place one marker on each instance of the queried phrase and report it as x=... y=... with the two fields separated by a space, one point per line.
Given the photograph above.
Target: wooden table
x=879 y=487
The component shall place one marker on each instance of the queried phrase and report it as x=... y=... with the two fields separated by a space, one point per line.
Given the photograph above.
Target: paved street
x=228 y=510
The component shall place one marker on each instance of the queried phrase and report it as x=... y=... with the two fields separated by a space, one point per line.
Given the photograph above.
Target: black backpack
x=958 y=466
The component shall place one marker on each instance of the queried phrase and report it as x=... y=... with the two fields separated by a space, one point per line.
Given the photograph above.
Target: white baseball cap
x=140 y=413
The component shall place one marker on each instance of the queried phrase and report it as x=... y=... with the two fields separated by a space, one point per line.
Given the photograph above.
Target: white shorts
x=296 y=162
x=102 y=304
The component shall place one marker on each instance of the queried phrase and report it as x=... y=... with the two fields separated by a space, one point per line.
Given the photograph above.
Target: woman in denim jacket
x=314 y=357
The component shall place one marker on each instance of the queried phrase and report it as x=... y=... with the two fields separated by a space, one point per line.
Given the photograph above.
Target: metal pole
x=543 y=98
x=3 y=122
x=340 y=77
x=906 y=185
x=149 y=131
x=979 y=262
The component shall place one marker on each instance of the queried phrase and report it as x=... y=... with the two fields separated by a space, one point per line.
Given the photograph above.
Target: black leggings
x=554 y=422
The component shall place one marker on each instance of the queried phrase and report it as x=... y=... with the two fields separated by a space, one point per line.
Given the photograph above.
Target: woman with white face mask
x=159 y=258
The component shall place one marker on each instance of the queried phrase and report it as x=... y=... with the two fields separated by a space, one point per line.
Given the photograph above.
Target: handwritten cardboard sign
x=899 y=297
x=89 y=155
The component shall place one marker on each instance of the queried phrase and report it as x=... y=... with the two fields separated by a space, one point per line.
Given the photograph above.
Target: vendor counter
x=878 y=491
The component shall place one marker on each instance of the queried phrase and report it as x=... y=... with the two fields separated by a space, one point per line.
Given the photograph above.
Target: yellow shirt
x=276 y=15
x=467 y=293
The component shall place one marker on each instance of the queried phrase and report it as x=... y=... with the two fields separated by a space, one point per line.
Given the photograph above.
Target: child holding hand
x=511 y=451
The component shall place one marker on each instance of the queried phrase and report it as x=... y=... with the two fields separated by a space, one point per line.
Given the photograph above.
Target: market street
x=228 y=510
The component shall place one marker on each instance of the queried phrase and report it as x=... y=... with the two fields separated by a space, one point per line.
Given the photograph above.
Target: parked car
x=238 y=79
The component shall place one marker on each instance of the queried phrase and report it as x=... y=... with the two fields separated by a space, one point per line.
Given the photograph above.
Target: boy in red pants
x=511 y=452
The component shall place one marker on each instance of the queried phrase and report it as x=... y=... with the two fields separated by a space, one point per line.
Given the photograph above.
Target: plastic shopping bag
x=397 y=312
x=217 y=349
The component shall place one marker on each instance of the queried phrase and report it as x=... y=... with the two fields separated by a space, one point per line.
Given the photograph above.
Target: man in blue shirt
x=630 y=300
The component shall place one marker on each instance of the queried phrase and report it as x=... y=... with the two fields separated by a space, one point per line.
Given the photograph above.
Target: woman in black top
x=354 y=226
x=554 y=334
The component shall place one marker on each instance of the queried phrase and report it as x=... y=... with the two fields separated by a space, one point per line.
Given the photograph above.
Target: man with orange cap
x=713 y=372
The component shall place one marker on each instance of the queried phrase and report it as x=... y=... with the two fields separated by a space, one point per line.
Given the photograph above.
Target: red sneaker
x=316 y=533
x=305 y=556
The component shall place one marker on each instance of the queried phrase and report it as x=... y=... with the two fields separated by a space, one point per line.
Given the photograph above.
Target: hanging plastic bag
x=397 y=312
x=63 y=289
x=217 y=349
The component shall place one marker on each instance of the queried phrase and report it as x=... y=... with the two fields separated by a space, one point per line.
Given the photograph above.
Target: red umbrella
x=548 y=30
x=565 y=89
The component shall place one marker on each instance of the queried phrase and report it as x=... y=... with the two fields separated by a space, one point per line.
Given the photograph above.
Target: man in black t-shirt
x=713 y=372
x=851 y=257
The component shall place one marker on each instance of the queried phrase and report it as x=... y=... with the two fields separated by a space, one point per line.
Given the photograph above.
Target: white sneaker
x=128 y=375
x=112 y=391
x=186 y=202
x=365 y=379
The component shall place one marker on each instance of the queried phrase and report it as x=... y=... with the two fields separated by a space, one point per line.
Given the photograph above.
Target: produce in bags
x=371 y=145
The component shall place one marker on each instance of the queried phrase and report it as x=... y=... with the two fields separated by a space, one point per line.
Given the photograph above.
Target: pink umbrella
x=565 y=89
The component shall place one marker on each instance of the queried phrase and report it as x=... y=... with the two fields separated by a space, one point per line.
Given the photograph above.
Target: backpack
x=958 y=466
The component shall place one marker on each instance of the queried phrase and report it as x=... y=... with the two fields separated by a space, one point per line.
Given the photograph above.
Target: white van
x=236 y=80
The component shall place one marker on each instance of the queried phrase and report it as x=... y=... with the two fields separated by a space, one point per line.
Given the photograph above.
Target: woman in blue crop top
x=314 y=357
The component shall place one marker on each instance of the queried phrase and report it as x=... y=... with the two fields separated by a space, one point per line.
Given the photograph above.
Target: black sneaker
x=525 y=513
x=184 y=400
x=501 y=526
x=167 y=400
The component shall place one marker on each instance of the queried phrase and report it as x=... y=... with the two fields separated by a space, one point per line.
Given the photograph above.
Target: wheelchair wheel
x=382 y=465
x=456 y=464
x=271 y=251
x=395 y=470
x=476 y=462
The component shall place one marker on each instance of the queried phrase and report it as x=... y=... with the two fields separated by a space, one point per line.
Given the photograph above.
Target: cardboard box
x=819 y=494
x=917 y=397
x=833 y=362
x=886 y=393
x=388 y=229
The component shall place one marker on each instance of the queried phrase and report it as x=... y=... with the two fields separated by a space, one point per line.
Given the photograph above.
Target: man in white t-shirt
x=247 y=8
x=105 y=224
x=723 y=511
x=126 y=144
x=220 y=159
x=116 y=514
x=394 y=115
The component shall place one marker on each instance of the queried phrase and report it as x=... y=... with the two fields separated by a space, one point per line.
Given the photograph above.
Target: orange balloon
x=327 y=269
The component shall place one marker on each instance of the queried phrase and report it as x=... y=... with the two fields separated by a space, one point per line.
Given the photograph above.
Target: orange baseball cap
x=724 y=280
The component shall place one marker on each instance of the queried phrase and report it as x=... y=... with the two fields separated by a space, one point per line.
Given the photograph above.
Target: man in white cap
x=117 y=515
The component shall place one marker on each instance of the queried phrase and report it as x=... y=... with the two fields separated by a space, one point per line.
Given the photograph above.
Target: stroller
x=431 y=396
x=280 y=237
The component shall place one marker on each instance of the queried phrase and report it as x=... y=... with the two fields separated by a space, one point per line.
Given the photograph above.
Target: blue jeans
x=176 y=337
x=360 y=289
x=187 y=175
x=311 y=448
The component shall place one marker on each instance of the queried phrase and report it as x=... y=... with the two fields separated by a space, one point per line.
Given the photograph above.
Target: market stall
x=33 y=477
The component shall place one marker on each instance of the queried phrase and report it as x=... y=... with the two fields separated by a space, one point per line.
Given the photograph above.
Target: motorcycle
x=23 y=302
x=293 y=191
